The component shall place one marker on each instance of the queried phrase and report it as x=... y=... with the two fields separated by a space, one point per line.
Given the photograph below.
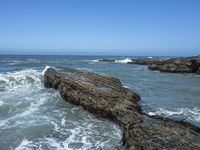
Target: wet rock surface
x=106 y=97
x=179 y=65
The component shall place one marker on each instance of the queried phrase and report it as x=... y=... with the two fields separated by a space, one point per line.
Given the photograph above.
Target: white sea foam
x=63 y=121
x=95 y=60
x=19 y=80
x=125 y=86
x=84 y=69
x=47 y=67
x=15 y=62
x=196 y=75
x=123 y=61
x=27 y=86
x=23 y=145
x=54 y=143
x=1 y=103
x=191 y=114
x=32 y=108
x=150 y=57
x=33 y=61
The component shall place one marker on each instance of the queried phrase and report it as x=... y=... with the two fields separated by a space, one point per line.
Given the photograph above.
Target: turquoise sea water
x=33 y=117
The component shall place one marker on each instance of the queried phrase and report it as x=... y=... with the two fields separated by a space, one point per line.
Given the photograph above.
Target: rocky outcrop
x=173 y=65
x=106 y=97
x=141 y=61
x=179 y=65
x=148 y=61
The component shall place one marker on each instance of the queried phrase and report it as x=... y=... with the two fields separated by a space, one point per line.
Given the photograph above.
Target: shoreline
x=171 y=65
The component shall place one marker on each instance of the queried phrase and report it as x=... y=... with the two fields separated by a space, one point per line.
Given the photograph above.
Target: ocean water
x=34 y=117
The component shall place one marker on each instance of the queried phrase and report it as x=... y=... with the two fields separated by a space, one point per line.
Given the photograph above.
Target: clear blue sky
x=115 y=27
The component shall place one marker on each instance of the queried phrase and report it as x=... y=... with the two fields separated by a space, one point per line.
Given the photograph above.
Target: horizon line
x=97 y=55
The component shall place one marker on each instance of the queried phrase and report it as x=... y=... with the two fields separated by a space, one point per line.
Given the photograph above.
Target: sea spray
x=39 y=118
x=123 y=61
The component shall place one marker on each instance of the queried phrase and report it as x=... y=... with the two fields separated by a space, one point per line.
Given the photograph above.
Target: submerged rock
x=106 y=97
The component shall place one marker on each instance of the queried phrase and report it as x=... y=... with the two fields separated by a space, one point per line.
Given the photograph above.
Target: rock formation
x=106 y=97
x=148 y=61
x=173 y=65
x=179 y=65
x=141 y=61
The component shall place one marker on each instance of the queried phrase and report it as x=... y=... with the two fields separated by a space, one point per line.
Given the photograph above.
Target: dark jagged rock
x=179 y=65
x=106 y=97
x=141 y=61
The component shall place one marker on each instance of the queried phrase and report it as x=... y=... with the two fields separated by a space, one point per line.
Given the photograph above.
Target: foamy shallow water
x=33 y=117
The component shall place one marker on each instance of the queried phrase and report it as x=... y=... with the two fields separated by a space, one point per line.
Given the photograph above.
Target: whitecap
x=84 y=69
x=19 y=80
x=23 y=145
x=1 y=103
x=192 y=114
x=125 y=86
x=95 y=60
x=32 y=108
x=54 y=144
x=47 y=67
x=63 y=121
x=196 y=75
x=33 y=61
x=123 y=61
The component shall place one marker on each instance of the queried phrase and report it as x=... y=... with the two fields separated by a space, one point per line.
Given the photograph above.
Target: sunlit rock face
x=106 y=97
x=179 y=65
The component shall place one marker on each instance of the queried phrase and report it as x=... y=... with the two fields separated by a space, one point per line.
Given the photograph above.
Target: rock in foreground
x=106 y=97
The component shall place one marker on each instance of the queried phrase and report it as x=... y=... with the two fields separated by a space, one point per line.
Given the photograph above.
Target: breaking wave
x=185 y=113
x=41 y=119
x=19 y=80
x=123 y=61
x=95 y=60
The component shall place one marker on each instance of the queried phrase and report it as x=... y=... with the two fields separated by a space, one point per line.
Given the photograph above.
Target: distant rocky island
x=173 y=65
x=106 y=97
